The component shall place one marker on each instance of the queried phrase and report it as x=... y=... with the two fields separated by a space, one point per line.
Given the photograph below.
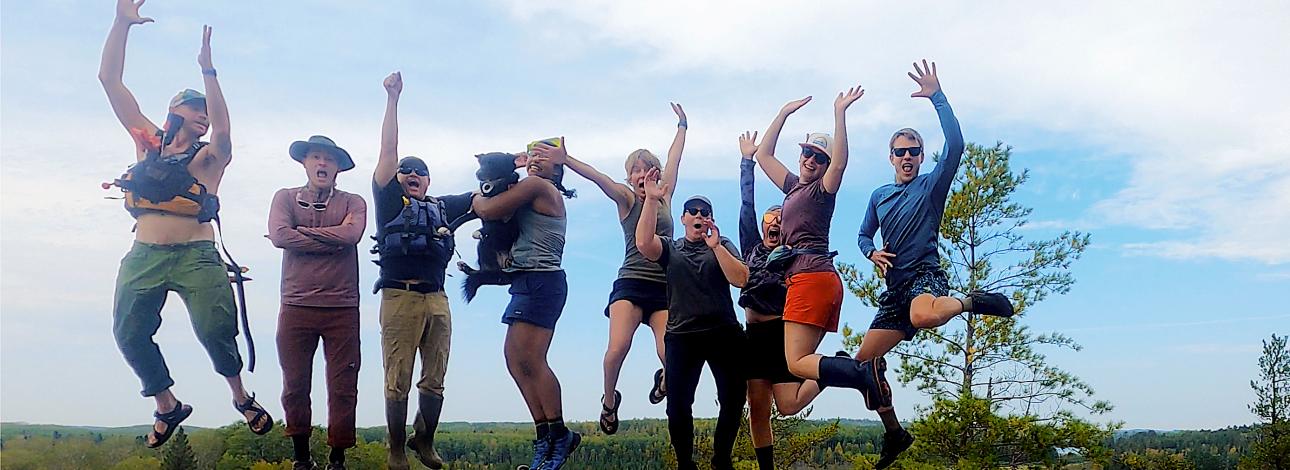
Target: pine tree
x=178 y=454
x=1271 y=446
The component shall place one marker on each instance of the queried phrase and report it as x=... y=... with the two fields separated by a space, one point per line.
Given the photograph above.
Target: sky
x=1161 y=128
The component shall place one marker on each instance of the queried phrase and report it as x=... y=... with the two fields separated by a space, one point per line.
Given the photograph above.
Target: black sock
x=765 y=457
x=558 y=430
x=967 y=303
x=300 y=447
x=889 y=420
x=543 y=429
x=337 y=455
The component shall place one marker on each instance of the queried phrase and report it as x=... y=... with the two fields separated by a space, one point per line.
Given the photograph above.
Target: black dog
x=496 y=174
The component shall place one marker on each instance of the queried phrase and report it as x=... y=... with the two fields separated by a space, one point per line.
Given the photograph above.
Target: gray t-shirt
x=635 y=266
x=540 y=245
x=698 y=292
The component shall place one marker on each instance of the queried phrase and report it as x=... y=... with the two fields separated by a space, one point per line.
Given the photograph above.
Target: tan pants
x=413 y=322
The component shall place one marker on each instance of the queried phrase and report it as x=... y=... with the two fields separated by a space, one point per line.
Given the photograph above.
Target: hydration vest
x=420 y=229
x=164 y=184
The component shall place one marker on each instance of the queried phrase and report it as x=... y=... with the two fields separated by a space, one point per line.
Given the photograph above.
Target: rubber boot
x=425 y=424
x=396 y=419
x=865 y=376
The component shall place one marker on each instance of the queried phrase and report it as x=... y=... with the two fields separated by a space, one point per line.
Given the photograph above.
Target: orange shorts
x=814 y=299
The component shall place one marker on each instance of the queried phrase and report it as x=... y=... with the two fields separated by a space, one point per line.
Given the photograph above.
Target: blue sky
x=1159 y=127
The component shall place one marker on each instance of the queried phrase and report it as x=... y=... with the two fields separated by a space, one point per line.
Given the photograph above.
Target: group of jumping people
x=677 y=286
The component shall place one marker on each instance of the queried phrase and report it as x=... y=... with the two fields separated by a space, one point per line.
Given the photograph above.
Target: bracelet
x=210 y=72
x=683 y=124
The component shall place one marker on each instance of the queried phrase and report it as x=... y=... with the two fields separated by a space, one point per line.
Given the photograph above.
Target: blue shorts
x=893 y=305
x=537 y=298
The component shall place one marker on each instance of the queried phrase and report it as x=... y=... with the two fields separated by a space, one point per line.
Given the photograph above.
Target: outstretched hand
x=394 y=84
x=127 y=11
x=792 y=106
x=926 y=79
x=204 y=56
x=748 y=144
x=652 y=187
x=882 y=259
x=712 y=236
x=846 y=97
x=557 y=155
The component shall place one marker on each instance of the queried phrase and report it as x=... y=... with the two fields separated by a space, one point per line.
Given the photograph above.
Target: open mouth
x=698 y=225
x=773 y=233
x=321 y=173
x=907 y=167
x=414 y=184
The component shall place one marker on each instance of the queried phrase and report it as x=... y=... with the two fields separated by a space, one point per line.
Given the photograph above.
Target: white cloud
x=1189 y=95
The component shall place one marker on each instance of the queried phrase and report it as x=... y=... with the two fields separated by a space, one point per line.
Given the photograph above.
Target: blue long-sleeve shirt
x=765 y=291
x=910 y=214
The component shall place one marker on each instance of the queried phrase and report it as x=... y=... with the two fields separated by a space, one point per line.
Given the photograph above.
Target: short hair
x=906 y=132
x=643 y=156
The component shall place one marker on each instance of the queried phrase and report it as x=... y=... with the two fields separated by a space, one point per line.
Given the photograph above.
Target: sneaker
x=335 y=466
x=893 y=443
x=305 y=465
x=541 y=452
x=560 y=450
x=991 y=303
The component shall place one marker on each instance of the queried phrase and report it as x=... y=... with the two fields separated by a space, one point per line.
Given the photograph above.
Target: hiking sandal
x=260 y=414
x=171 y=420
x=656 y=394
x=610 y=427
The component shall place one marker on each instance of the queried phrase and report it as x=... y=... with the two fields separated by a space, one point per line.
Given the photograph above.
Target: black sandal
x=172 y=420
x=607 y=426
x=656 y=394
x=260 y=413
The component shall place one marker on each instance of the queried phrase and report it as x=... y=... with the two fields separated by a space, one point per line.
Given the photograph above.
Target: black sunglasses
x=408 y=171
x=913 y=151
x=820 y=157
x=699 y=211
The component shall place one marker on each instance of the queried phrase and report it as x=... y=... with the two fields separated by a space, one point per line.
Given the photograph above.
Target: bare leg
x=658 y=323
x=928 y=311
x=800 y=343
x=759 y=398
x=526 y=349
x=624 y=318
x=792 y=398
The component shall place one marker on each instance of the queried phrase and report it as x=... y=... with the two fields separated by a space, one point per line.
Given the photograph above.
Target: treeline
x=640 y=444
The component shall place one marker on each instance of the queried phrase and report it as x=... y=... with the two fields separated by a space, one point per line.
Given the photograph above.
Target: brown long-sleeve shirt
x=319 y=248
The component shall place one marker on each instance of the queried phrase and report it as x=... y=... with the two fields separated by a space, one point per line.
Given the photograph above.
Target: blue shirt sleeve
x=952 y=154
x=749 y=229
x=869 y=227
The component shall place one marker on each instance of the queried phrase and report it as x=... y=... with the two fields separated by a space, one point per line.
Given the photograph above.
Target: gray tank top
x=635 y=266
x=540 y=245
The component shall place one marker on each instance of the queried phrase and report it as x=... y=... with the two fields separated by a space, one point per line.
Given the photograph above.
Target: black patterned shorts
x=893 y=305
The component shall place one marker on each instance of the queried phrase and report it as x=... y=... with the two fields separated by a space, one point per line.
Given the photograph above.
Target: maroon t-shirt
x=807 y=215
x=319 y=248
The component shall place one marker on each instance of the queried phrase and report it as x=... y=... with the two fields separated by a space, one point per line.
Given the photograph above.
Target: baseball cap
x=819 y=141
x=187 y=95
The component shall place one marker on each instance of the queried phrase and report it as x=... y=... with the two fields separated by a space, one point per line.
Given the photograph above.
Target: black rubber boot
x=425 y=424
x=396 y=419
x=868 y=377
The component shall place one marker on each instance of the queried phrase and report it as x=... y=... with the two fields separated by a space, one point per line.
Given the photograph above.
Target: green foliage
x=178 y=454
x=1271 y=446
x=988 y=372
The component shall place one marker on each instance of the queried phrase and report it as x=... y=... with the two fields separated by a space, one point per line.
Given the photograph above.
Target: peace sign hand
x=204 y=56
x=926 y=79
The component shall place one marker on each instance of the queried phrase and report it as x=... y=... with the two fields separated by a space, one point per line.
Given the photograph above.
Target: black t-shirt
x=428 y=268
x=698 y=292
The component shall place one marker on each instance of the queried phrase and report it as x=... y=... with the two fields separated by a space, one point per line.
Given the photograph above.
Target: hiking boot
x=991 y=303
x=560 y=450
x=893 y=443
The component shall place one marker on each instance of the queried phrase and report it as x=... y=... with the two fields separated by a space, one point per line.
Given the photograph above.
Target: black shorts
x=766 y=359
x=537 y=298
x=893 y=305
x=650 y=296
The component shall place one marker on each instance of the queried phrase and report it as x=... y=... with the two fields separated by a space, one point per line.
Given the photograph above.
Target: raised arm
x=350 y=230
x=221 y=147
x=647 y=241
x=929 y=86
x=732 y=267
x=673 y=165
x=387 y=161
x=283 y=232
x=749 y=229
x=765 y=155
x=112 y=68
x=838 y=164
x=504 y=205
x=618 y=192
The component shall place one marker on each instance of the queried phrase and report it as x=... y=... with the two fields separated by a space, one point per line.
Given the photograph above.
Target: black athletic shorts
x=766 y=353
x=650 y=296
x=893 y=305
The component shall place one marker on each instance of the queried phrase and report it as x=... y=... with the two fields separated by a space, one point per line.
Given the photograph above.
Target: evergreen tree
x=178 y=454
x=1271 y=446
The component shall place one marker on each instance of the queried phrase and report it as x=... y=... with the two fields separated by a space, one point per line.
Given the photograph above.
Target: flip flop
x=610 y=427
x=172 y=420
x=656 y=394
x=260 y=413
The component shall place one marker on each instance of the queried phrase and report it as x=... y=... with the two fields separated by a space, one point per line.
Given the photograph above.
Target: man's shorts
x=893 y=305
x=649 y=296
x=814 y=299
x=537 y=298
x=766 y=359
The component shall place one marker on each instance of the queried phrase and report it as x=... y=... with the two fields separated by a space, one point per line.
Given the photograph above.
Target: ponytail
x=557 y=179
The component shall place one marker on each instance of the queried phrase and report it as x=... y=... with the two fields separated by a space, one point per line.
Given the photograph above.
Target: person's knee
x=789 y=407
x=617 y=351
x=800 y=368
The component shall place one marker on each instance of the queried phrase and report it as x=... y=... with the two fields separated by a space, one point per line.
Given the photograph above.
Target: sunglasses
x=770 y=217
x=418 y=171
x=318 y=206
x=913 y=151
x=699 y=211
x=820 y=157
